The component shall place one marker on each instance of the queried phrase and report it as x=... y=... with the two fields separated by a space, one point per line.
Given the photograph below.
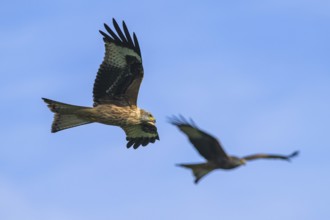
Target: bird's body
x=211 y=149
x=201 y=169
x=115 y=93
x=111 y=115
x=230 y=163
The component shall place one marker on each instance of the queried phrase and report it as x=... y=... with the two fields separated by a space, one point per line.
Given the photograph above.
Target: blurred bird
x=115 y=92
x=211 y=149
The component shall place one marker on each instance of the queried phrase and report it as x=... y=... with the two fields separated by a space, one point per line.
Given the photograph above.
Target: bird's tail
x=199 y=170
x=65 y=116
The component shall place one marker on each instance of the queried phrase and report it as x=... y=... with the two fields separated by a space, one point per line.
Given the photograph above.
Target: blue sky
x=255 y=74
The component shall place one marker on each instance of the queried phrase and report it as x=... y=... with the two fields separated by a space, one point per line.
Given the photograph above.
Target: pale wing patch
x=136 y=131
x=119 y=76
x=140 y=134
x=116 y=55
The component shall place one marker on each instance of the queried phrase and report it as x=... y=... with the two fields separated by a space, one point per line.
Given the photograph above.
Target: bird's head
x=238 y=161
x=146 y=117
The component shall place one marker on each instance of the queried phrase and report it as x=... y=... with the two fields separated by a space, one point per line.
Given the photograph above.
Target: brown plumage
x=115 y=92
x=211 y=149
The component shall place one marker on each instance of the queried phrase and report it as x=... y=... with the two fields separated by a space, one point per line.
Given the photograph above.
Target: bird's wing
x=120 y=75
x=141 y=134
x=207 y=146
x=271 y=156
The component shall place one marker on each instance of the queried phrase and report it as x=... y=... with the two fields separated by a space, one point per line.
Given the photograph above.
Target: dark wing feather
x=113 y=35
x=207 y=146
x=127 y=34
x=120 y=75
x=120 y=33
x=271 y=156
x=136 y=43
x=141 y=134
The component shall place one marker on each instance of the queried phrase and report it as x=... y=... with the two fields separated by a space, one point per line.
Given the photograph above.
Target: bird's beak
x=153 y=120
x=152 y=123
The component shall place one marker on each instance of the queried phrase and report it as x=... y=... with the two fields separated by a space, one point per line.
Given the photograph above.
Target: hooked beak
x=151 y=123
x=153 y=120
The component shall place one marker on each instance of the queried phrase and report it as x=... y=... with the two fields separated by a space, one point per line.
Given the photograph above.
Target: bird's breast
x=111 y=115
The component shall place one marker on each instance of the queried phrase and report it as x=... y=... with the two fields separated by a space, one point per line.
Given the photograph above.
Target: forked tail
x=199 y=170
x=65 y=116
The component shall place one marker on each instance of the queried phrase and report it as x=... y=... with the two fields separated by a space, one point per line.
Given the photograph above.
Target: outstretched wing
x=120 y=74
x=141 y=134
x=207 y=146
x=271 y=156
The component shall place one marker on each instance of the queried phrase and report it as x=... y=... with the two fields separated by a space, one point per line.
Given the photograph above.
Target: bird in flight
x=211 y=149
x=115 y=92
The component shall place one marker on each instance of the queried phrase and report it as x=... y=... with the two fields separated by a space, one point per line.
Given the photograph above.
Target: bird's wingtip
x=294 y=154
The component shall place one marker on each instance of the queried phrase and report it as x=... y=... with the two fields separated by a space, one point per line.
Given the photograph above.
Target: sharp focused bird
x=211 y=149
x=115 y=92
